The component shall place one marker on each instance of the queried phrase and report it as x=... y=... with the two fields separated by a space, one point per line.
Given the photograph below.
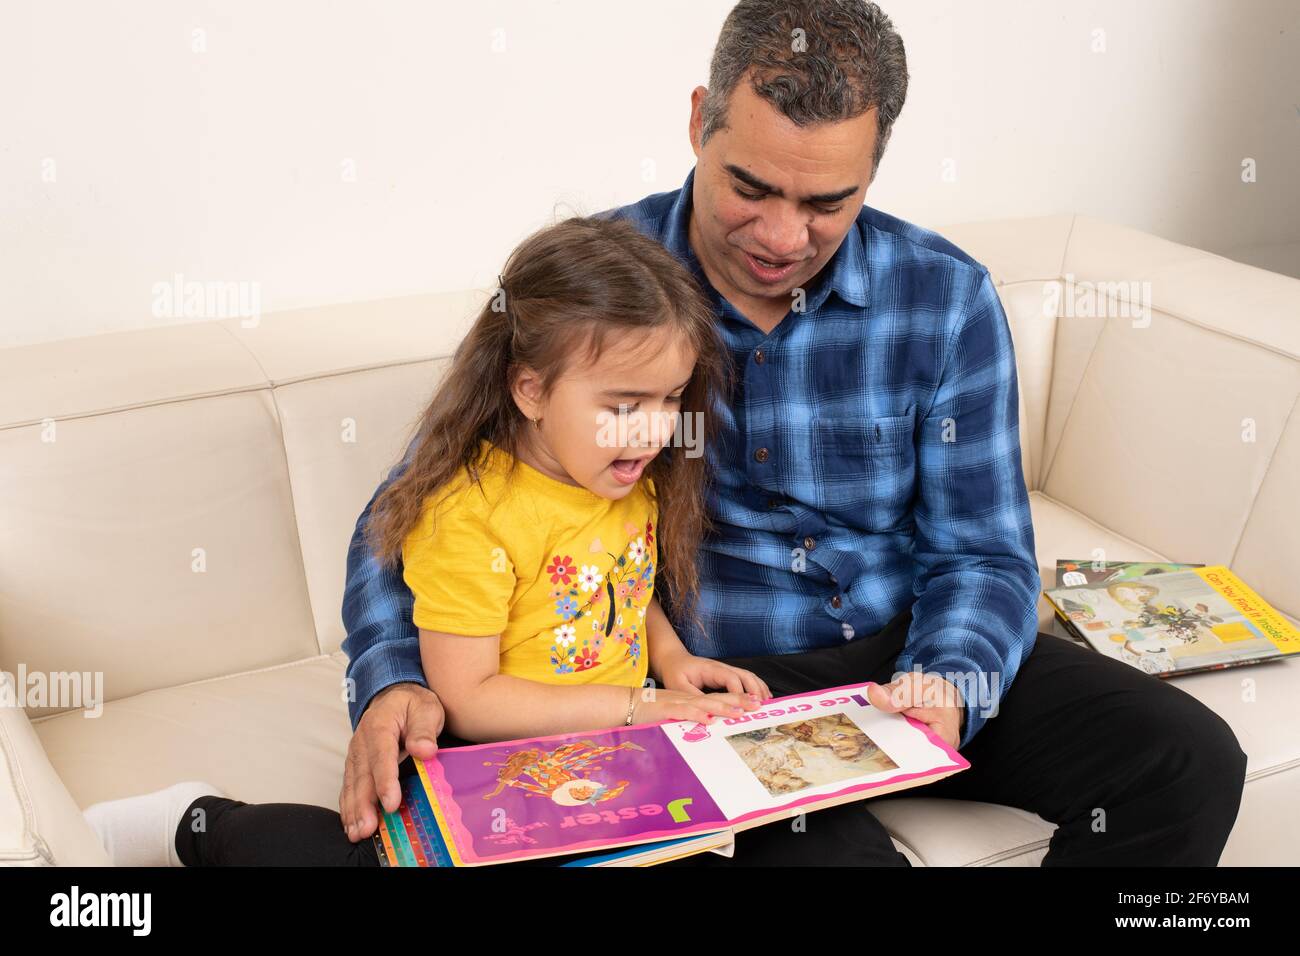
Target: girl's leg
x=218 y=831
x=234 y=833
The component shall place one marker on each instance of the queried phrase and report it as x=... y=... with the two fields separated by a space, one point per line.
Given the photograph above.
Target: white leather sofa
x=176 y=505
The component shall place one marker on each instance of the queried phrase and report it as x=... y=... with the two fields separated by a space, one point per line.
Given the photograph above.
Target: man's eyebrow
x=749 y=179
x=628 y=393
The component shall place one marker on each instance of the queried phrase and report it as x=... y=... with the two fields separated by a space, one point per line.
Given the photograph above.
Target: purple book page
x=568 y=793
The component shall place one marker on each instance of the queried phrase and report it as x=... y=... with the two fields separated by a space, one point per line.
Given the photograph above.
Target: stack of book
x=1168 y=619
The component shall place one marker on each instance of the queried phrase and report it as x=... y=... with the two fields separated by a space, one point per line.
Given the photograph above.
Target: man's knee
x=1198 y=755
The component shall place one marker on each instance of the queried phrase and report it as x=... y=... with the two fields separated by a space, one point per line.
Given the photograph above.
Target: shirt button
x=835 y=601
x=758 y=356
x=809 y=543
x=760 y=455
x=773 y=504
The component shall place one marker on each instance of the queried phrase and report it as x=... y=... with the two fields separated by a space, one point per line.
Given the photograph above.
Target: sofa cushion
x=963 y=832
x=278 y=734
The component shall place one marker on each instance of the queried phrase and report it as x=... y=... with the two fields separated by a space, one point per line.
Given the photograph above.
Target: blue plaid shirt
x=869 y=460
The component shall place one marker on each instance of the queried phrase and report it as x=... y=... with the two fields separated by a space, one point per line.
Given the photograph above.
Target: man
x=873 y=521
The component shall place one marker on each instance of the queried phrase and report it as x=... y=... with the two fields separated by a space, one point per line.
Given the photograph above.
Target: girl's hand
x=690 y=673
x=656 y=704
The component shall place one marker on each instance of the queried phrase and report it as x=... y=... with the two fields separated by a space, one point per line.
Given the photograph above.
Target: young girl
x=544 y=504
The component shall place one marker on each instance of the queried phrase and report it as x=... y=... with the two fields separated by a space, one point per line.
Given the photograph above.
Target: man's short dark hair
x=816 y=61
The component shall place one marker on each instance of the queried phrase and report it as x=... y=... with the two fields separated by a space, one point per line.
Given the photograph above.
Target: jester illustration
x=558 y=774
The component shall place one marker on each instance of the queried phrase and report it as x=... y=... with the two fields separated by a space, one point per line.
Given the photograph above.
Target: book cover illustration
x=1177 y=621
x=655 y=784
x=1074 y=573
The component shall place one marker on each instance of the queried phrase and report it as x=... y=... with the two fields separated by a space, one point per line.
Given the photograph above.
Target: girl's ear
x=526 y=390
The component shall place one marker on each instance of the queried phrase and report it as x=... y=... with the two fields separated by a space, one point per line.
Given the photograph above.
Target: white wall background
x=335 y=151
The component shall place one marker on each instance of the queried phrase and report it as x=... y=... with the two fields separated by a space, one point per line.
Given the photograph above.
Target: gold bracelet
x=631 y=706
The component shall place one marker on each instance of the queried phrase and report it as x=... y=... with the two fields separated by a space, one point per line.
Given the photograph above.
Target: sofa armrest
x=40 y=823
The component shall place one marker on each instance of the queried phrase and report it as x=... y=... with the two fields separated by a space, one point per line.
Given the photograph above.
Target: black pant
x=1131 y=769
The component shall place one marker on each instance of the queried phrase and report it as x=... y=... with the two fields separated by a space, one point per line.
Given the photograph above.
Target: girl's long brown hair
x=578 y=280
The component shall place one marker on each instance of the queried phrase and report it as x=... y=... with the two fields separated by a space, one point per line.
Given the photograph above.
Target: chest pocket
x=866 y=470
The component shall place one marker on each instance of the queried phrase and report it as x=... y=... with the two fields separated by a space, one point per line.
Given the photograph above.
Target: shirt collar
x=845 y=273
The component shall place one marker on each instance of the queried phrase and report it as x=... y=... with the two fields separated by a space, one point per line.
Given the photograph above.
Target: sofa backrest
x=176 y=503
x=1161 y=385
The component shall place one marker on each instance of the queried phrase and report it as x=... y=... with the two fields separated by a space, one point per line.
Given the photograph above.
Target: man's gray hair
x=816 y=61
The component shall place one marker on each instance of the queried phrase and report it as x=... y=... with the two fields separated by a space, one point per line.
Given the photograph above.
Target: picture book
x=658 y=791
x=1072 y=573
x=1174 y=621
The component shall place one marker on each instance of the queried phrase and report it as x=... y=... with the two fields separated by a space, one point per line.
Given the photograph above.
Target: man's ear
x=695 y=126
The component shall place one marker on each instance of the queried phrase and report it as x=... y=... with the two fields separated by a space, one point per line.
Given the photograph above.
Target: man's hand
x=400 y=719
x=929 y=698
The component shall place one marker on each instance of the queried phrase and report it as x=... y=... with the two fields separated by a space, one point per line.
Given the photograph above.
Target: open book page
x=801 y=749
x=562 y=794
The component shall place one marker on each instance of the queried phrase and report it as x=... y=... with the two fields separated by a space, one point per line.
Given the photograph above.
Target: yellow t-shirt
x=561 y=573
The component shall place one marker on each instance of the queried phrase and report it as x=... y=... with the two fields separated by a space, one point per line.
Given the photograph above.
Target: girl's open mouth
x=628 y=470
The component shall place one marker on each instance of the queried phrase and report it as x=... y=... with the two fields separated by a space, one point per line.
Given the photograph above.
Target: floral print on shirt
x=595 y=606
